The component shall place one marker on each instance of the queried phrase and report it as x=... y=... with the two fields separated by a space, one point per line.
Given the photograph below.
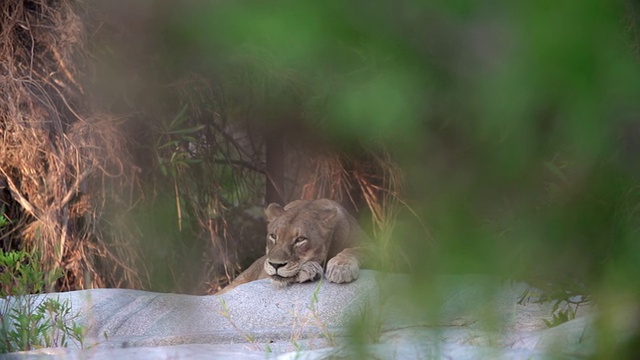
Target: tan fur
x=301 y=238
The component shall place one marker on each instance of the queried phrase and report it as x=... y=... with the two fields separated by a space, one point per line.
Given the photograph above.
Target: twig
x=65 y=70
x=74 y=189
x=26 y=205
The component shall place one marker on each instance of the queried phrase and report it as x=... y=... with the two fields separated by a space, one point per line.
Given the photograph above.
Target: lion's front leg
x=310 y=271
x=344 y=267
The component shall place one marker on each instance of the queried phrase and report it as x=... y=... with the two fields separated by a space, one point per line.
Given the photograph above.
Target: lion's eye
x=300 y=240
x=272 y=237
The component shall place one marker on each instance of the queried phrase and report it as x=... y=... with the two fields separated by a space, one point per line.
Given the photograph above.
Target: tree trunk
x=275 y=159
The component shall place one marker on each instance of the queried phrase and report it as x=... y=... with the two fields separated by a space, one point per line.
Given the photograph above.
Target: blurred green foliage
x=519 y=115
x=516 y=122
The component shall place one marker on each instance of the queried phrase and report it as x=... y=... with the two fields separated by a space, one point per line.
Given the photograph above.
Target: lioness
x=301 y=237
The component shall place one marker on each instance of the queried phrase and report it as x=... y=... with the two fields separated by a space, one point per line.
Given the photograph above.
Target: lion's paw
x=342 y=269
x=309 y=271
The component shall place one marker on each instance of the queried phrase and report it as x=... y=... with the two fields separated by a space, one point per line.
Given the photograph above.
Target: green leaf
x=168 y=144
x=555 y=170
x=179 y=118
x=187 y=130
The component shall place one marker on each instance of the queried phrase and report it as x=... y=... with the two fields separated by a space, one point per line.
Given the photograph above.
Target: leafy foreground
x=32 y=321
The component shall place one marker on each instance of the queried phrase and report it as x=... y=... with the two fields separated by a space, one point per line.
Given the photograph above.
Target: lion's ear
x=323 y=204
x=327 y=210
x=294 y=204
x=328 y=216
x=273 y=211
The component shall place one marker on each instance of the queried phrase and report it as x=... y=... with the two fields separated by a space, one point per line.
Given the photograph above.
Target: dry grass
x=55 y=150
x=373 y=180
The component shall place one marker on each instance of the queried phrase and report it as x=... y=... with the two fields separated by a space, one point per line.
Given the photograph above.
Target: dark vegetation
x=140 y=140
x=124 y=168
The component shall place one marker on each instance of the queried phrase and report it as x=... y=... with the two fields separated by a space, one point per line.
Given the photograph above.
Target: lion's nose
x=277 y=266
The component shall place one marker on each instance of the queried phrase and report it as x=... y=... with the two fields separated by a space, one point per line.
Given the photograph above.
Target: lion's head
x=298 y=238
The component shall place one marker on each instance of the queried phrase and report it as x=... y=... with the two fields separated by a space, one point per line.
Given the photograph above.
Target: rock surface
x=478 y=317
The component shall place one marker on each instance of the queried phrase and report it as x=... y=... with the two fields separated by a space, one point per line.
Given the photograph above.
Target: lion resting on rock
x=301 y=238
